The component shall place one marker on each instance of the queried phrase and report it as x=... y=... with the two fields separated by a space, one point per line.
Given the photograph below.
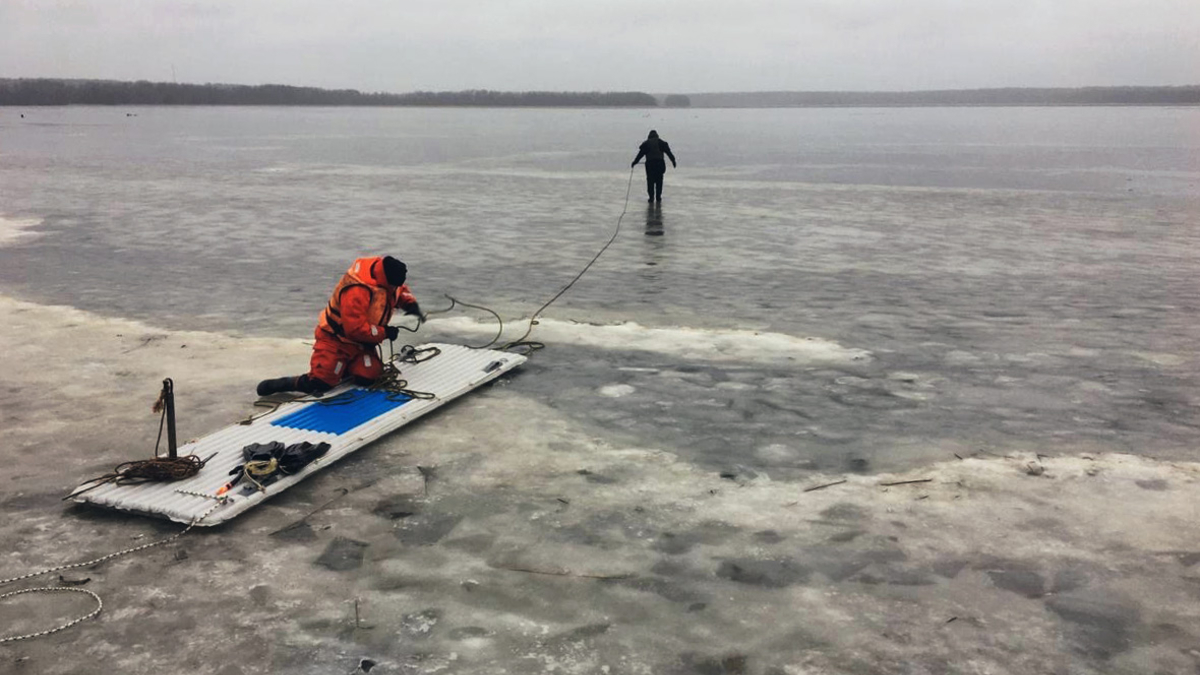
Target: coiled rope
x=257 y=470
x=146 y=471
x=158 y=469
x=390 y=381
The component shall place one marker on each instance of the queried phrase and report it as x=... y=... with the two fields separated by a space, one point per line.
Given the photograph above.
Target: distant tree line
x=487 y=98
x=107 y=92
x=40 y=91
x=1086 y=96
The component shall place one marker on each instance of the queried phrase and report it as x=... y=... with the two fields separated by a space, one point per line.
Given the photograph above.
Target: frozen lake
x=851 y=300
x=821 y=290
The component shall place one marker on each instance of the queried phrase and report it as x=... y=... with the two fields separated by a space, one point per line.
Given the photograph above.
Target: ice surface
x=691 y=476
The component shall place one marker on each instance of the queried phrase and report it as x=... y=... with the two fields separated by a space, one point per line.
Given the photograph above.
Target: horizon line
x=616 y=91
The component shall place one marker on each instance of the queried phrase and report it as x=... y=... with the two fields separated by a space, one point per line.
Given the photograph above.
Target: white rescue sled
x=346 y=427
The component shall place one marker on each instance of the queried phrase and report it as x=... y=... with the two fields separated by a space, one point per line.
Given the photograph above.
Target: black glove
x=674 y=165
x=413 y=309
x=634 y=164
x=392 y=332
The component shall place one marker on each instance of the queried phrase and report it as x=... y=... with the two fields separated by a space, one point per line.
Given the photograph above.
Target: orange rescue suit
x=354 y=322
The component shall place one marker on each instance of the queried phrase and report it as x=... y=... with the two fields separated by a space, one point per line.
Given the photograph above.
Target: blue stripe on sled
x=343 y=412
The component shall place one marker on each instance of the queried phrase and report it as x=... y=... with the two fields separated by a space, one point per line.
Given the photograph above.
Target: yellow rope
x=260 y=469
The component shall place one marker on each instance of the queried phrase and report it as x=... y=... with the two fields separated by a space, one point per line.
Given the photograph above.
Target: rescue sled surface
x=357 y=417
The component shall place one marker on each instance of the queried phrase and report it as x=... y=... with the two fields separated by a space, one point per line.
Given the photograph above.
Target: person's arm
x=640 y=155
x=406 y=301
x=356 y=302
x=667 y=150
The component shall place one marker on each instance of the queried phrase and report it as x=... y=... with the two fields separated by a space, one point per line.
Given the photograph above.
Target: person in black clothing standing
x=653 y=149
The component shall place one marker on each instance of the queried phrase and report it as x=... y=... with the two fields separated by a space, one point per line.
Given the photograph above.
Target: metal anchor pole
x=168 y=395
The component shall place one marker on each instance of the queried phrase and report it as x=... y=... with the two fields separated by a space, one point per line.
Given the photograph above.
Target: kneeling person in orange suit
x=352 y=326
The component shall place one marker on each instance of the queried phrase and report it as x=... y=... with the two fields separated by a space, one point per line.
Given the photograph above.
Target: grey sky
x=663 y=46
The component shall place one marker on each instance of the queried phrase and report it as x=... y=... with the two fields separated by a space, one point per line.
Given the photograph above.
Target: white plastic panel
x=455 y=371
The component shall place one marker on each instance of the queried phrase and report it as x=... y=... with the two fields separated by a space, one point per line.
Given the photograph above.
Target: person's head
x=653 y=134
x=395 y=271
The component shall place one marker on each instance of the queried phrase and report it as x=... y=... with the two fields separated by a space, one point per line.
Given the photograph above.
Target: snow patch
x=687 y=343
x=13 y=230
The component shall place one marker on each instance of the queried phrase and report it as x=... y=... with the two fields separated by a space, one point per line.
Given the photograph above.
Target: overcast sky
x=664 y=46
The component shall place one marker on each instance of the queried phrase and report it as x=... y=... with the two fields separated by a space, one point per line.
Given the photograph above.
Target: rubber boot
x=279 y=384
x=311 y=385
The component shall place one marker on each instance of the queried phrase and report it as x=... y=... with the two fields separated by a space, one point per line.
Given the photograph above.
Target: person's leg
x=311 y=385
x=649 y=183
x=325 y=370
x=365 y=367
x=277 y=385
x=329 y=365
x=658 y=183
